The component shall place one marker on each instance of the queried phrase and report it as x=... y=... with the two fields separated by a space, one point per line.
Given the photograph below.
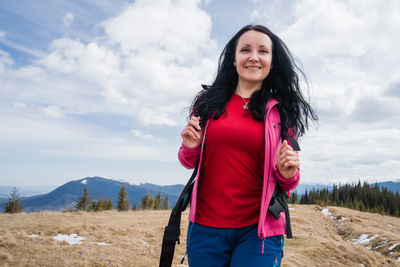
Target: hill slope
x=134 y=238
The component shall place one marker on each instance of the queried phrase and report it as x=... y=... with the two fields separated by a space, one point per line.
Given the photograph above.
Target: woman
x=235 y=133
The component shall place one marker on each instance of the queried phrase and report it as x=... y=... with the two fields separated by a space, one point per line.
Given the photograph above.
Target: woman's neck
x=245 y=90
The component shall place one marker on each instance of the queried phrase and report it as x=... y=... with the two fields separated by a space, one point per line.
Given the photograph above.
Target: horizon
x=88 y=87
x=125 y=181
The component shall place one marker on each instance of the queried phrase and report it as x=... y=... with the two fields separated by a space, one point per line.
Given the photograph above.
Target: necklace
x=246 y=103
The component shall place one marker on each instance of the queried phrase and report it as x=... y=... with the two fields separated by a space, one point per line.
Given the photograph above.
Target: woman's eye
x=263 y=51
x=244 y=50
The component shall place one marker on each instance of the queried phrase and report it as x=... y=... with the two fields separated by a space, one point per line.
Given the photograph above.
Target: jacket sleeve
x=189 y=157
x=287 y=184
x=291 y=183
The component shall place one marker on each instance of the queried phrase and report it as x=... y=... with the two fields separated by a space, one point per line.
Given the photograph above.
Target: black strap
x=287 y=216
x=173 y=229
x=279 y=204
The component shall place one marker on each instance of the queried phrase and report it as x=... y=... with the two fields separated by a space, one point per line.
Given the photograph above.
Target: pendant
x=246 y=107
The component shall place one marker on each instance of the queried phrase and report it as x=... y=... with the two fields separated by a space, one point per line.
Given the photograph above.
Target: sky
x=101 y=88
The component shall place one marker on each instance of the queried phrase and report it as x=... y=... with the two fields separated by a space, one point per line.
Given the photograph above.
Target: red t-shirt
x=232 y=170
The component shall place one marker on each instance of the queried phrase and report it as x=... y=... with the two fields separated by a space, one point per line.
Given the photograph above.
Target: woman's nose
x=253 y=57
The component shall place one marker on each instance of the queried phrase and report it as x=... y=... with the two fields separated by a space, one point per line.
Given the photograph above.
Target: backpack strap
x=284 y=197
x=173 y=229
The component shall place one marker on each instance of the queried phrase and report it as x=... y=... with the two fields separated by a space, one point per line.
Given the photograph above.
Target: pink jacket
x=267 y=224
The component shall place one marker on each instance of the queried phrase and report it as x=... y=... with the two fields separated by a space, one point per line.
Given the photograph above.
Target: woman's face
x=253 y=58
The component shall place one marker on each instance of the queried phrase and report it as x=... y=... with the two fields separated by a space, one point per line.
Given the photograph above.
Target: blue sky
x=99 y=88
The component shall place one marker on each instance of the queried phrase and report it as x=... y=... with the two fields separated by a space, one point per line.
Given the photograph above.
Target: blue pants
x=235 y=247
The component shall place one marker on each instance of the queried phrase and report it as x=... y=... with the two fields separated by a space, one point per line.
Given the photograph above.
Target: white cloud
x=92 y=62
x=53 y=112
x=349 y=52
x=358 y=152
x=33 y=131
x=2 y=34
x=178 y=28
x=68 y=19
x=146 y=70
x=138 y=133
x=254 y=15
x=5 y=60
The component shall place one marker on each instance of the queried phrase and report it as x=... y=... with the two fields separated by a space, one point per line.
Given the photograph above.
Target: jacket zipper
x=263 y=214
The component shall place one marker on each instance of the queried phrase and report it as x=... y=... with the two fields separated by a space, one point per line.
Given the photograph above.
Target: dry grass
x=326 y=241
x=135 y=239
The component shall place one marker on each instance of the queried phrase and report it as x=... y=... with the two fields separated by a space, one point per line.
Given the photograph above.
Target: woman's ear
x=234 y=63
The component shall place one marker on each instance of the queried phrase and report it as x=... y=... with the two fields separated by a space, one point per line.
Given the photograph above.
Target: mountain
x=392 y=186
x=65 y=196
x=167 y=189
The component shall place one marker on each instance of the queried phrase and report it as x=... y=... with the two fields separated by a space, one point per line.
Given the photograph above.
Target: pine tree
x=165 y=203
x=293 y=197
x=157 y=202
x=123 y=200
x=84 y=201
x=147 y=202
x=14 y=204
x=94 y=206
x=101 y=205
x=109 y=205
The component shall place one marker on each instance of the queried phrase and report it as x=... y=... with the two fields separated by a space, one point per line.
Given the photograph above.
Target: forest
x=358 y=196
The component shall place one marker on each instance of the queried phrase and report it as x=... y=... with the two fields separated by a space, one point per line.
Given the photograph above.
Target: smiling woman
x=245 y=158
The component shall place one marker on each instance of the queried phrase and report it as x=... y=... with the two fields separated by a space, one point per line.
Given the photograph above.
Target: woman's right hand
x=192 y=134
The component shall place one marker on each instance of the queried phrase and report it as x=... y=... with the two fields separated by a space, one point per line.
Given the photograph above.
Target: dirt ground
x=133 y=238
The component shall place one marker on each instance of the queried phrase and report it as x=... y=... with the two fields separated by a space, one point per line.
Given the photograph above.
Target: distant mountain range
x=65 y=196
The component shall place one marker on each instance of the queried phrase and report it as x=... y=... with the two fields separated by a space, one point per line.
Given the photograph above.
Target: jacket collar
x=272 y=102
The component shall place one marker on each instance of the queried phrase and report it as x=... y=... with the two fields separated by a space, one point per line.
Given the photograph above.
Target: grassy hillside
x=134 y=238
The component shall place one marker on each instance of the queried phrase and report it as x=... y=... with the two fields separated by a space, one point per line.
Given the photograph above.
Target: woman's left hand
x=287 y=161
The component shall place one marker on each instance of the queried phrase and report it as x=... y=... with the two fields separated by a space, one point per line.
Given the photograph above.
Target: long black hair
x=282 y=84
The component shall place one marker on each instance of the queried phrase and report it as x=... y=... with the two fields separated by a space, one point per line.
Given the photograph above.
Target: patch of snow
x=291 y=208
x=362 y=265
x=398 y=259
x=33 y=236
x=326 y=212
x=393 y=246
x=363 y=239
x=72 y=239
x=122 y=181
x=84 y=181
x=389 y=225
x=145 y=243
x=368 y=247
